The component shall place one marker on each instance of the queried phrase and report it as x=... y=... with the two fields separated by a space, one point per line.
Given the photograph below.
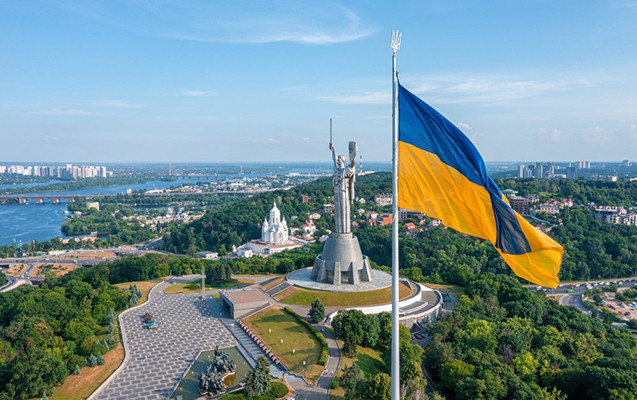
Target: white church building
x=275 y=237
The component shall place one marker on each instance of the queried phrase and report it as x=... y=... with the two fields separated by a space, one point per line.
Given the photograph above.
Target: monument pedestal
x=342 y=261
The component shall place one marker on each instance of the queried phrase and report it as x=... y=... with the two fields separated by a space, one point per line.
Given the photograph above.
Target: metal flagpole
x=395 y=350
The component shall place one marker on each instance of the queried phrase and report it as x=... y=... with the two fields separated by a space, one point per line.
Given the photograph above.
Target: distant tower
x=361 y=160
x=169 y=168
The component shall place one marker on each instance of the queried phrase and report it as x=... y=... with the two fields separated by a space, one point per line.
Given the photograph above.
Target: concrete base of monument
x=342 y=262
x=303 y=278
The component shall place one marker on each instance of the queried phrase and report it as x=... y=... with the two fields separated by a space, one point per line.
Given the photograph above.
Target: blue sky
x=225 y=81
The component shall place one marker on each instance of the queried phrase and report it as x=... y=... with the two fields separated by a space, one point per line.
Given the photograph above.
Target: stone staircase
x=279 y=288
x=251 y=347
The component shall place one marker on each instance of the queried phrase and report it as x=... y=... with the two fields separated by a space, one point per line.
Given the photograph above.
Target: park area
x=77 y=387
x=305 y=297
x=292 y=342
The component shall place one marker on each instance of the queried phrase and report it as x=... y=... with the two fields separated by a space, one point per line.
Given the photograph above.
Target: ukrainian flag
x=441 y=173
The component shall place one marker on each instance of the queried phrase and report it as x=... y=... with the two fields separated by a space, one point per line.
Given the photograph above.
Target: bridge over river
x=56 y=198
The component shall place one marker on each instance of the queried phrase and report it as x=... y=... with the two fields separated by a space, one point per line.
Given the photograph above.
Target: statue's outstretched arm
x=353 y=148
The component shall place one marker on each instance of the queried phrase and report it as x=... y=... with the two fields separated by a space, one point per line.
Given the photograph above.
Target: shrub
x=334 y=384
x=278 y=389
x=233 y=396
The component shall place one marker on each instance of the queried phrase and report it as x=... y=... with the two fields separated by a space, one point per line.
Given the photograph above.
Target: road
x=24 y=278
x=580 y=287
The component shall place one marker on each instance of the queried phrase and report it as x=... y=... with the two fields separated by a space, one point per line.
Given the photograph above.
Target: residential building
x=208 y=255
x=384 y=219
x=383 y=199
x=520 y=204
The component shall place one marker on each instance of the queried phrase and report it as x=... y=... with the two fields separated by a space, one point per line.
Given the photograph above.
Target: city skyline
x=128 y=81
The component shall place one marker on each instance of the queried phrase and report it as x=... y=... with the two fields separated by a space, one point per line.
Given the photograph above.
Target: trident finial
x=395 y=40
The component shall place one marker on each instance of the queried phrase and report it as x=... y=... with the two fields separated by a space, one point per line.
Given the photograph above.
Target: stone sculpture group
x=211 y=381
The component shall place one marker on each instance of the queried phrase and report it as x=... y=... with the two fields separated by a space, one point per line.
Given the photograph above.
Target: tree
x=34 y=372
x=317 y=311
x=91 y=361
x=258 y=380
x=453 y=372
x=352 y=380
x=378 y=387
x=384 y=320
x=100 y=359
x=526 y=366
x=350 y=344
x=77 y=370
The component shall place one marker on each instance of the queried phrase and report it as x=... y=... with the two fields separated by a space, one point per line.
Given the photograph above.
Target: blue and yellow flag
x=441 y=173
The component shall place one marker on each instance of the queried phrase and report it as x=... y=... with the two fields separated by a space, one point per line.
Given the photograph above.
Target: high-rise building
x=551 y=168
x=528 y=171
x=584 y=164
x=571 y=172
x=521 y=169
x=539 y=170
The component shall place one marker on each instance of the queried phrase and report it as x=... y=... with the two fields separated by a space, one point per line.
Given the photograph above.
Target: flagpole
x=395 y=343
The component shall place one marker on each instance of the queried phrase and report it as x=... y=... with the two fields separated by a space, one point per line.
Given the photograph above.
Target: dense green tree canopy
x=511 y=343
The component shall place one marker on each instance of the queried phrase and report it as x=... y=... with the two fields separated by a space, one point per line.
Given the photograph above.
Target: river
x=25 y=223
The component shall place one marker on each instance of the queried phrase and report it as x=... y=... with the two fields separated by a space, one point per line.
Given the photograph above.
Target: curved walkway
x=156 y=359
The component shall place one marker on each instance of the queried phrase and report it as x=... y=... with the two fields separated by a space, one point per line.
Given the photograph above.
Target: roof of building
x=249 y=295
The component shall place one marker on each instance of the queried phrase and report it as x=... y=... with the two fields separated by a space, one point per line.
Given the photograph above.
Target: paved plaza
x=159 y=357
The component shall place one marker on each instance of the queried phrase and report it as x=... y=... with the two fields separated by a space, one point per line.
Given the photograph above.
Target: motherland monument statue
x=342 y=260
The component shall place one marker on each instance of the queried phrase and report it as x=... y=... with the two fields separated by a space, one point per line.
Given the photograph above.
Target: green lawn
x=305 y=297
x=273 y=325
x=195 y=286
x=369 y=360
x=454 y=290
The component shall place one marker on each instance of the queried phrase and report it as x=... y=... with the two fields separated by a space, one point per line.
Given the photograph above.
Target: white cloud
x=70 y=112
x=298 y=21
x=460 y=88
x=556 y=134
x=597 y=135
x=463 y=88
x=199 y=93
x=273 y=140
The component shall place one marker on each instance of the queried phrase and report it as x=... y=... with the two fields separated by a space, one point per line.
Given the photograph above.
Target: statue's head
x=340 y=161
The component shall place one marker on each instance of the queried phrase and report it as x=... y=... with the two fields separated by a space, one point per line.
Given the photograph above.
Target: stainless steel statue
x=344 y=177
x=342 y=260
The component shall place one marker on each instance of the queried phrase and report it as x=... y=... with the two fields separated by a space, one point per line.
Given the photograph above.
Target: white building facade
x=276 y=230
